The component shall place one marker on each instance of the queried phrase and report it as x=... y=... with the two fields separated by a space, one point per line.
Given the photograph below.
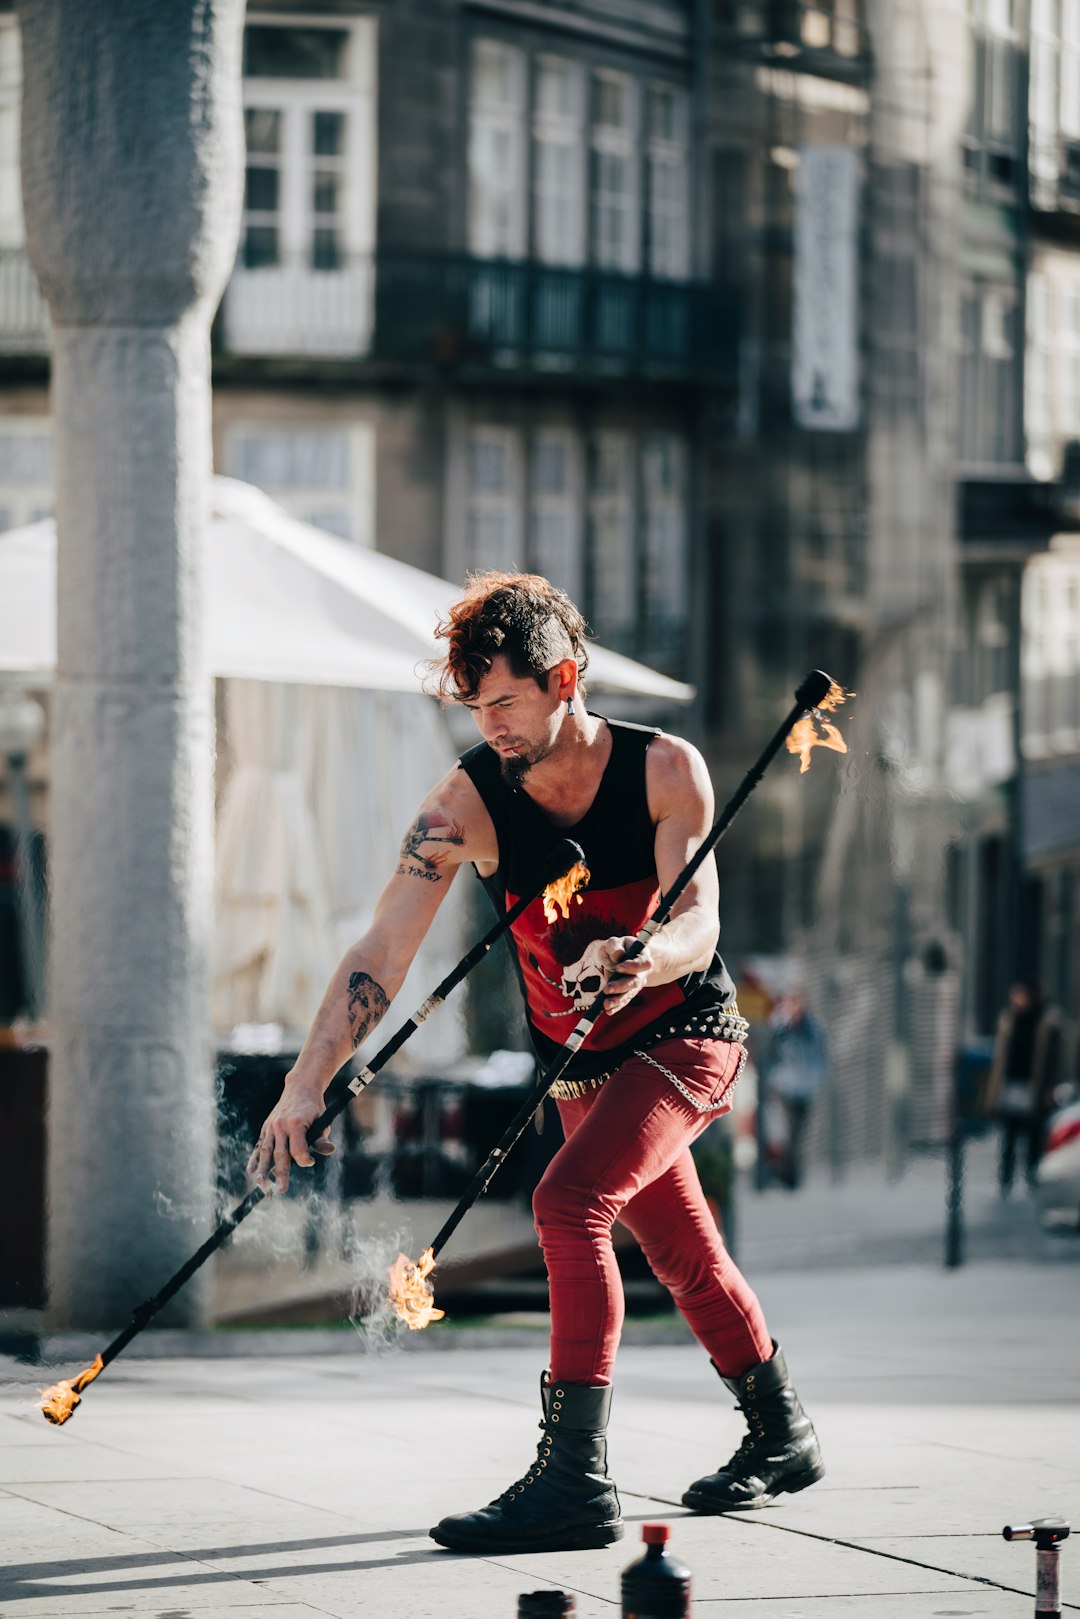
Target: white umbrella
x=285 y=602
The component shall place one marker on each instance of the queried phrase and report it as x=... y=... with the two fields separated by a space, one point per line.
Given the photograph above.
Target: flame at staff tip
x=410 y=1291
x=59 y=1402
x=804 y=735
x=557 y=895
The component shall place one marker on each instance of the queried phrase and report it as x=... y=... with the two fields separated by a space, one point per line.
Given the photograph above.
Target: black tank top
x=556 y=960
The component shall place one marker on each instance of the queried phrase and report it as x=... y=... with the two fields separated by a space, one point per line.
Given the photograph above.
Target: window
x=607 y=158
x=558 y=162
x=554 y=510
x=1069 y=353
x=11 y=214
x=1054 y=101
x=667 y=119
x=304 y=282
x=666 y=571
x=1039 y=379
x=993 y=136
x=605 y=517
x=1050 y=655
x=262 y=188
x=497 y=152
x=1052 y=370
x=26 y=471
x=616 y=230
x=324 y=476
x=302 y=115
x=492 y=524
x=1070 y=69
x=276 y=51
x=990 y=376
x=612 y=598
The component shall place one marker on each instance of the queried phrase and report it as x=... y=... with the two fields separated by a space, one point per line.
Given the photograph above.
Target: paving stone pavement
x=303 y=1484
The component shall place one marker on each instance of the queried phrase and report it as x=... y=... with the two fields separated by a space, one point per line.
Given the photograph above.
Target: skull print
x=583 y=980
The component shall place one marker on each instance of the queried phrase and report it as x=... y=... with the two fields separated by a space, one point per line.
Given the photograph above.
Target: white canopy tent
x=284 y=602
x=325 y=749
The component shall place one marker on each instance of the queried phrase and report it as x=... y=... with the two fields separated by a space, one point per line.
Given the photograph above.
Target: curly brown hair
x=523 y=617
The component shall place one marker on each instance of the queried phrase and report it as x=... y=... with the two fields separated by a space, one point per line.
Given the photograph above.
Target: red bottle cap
x=655 y=1534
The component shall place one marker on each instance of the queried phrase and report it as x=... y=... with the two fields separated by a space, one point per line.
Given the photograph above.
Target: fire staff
x=659 y=1067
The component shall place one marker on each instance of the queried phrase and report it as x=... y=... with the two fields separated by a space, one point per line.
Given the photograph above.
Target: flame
x=557 y=895
x=410 y=1291
x=805 y=735
x=59 y=1402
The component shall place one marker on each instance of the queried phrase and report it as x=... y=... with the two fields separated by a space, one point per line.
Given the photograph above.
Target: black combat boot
x=779 y=1455
x=565 y=1502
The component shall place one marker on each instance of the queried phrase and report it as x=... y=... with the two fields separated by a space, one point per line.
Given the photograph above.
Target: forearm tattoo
x=420 y=854
x=367 y=1004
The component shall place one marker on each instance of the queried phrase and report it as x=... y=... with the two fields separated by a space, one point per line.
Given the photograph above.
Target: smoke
x=171 y=1208
x=371 y=1314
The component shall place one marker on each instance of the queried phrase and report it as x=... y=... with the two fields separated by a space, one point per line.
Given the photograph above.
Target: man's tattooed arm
x=420 y=855
x=367 y=1005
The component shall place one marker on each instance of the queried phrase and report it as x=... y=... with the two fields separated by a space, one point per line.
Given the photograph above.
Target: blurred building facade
x=756 y=325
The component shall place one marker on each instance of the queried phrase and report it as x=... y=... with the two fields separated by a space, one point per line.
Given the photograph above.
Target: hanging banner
x=825 y=293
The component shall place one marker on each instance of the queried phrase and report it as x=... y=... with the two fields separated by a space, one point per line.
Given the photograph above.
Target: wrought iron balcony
x=500 y=314
x=453 y=312
x=817 y=35
x=1055 y=175
x=24 y=318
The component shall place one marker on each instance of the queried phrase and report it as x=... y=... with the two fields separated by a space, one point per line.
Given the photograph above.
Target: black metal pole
x=809 y=694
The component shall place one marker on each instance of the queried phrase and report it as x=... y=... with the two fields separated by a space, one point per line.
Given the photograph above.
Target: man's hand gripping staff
x=59 y=1402
x=411 y=1290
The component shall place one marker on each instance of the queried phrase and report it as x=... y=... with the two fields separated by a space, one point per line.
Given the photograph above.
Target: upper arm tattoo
x=420 y=855
x=367 y=1005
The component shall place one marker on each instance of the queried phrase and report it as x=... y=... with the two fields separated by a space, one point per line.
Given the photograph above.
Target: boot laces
x=543 y=1451
x=752 y=1439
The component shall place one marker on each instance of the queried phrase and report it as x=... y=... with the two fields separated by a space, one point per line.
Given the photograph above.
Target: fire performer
x=660 y=1065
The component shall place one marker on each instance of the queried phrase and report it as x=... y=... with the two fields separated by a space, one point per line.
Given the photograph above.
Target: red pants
x=627 y=1157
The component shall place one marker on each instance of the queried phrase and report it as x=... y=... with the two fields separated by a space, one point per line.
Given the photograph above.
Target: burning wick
x=557 y=895
x=411 y=1294
x=805 y=736
x=59 y=1402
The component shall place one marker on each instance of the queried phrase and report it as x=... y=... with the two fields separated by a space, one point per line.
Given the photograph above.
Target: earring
x=569 y=705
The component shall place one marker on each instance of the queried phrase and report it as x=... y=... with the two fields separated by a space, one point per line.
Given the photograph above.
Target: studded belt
x=716 y=1024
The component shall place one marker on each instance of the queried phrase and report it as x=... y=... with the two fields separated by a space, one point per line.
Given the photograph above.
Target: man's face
x=516 y=718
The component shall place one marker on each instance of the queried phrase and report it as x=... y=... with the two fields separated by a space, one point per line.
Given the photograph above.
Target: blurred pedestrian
x=1023 y=1076
x=794 y=1070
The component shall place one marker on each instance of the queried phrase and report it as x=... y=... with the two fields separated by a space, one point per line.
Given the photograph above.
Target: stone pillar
x=132 y=171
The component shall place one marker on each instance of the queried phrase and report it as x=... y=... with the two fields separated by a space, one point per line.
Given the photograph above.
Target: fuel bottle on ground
x=545 y=1604
x=656 y=1586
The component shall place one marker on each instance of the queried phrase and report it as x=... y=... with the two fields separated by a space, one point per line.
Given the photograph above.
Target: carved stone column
x=132 y=172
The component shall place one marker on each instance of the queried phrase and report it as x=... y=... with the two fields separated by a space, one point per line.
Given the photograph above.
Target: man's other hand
x=623 y=978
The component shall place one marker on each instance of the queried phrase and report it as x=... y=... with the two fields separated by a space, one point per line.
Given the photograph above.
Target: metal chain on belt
x=700 y=1107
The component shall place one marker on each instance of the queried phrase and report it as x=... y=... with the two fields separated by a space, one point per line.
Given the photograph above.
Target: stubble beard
x=514 y=767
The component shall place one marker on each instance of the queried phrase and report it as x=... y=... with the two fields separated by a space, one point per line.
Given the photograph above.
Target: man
x=796 y=1063
x=659 y=1065
x=1023 y=1076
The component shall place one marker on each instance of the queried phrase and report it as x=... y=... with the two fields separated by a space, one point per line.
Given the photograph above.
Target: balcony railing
x=24 y=318
x=790 y=32
x=514 y=316
x=1055 y=174
x=452 y=312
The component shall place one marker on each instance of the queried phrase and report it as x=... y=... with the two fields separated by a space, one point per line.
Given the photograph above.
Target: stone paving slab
x=305 y=1485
